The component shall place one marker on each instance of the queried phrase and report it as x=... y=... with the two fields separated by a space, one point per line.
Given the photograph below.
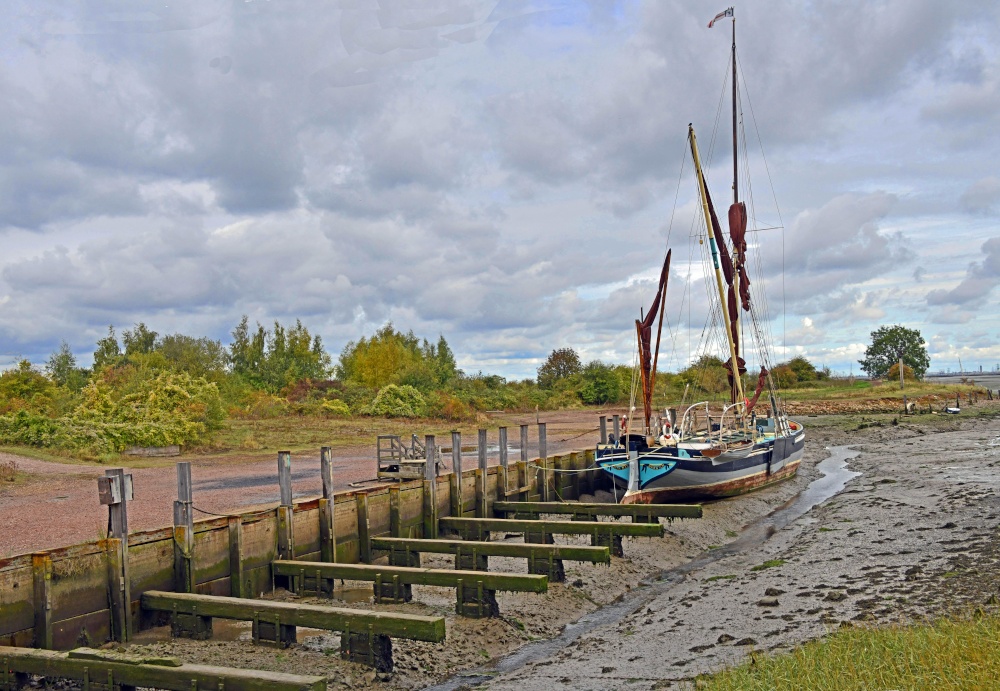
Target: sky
x=505 y=173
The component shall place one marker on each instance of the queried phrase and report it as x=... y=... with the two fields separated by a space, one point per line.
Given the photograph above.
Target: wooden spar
x=702 y=189
x=736 y=173
x=659 y=328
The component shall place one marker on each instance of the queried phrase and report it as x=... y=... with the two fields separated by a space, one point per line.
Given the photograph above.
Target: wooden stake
x=543 y=456
x=184 y=531
x=327 y=525
x=41 y=571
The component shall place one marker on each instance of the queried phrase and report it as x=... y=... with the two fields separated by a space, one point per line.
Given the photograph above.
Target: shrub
x=335 y=408
x=397 y=401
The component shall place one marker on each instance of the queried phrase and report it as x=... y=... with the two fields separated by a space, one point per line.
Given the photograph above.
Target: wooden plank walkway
x=125 y=672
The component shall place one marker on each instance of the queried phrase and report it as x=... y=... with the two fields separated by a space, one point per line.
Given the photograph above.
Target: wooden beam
x=445 y=578
x=236 y=574
x=595 y=555
x=644 y=511
x=184 y=531
x=554 y=527
x=41 y=571
x=104 y=667
x=412 y=626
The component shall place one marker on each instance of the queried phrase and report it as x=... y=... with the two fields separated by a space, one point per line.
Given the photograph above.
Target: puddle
x=835 y=477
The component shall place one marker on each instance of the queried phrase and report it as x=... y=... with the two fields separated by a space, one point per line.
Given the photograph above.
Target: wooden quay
x=110 y=670
x=470 y=554
x=366 y=635
x=475 y=590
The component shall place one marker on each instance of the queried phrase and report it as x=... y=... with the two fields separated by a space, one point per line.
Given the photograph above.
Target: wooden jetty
x=639 y=513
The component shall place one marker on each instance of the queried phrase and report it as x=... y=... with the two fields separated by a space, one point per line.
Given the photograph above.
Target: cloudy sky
x=500 y=172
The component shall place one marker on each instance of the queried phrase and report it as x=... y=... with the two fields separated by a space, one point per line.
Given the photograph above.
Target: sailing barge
x=709 y=451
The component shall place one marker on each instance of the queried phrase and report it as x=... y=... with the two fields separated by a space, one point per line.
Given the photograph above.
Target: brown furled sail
x=724 y=260
x=728 y=272
x=738 y=234
x=761 y=382
x=644 y=331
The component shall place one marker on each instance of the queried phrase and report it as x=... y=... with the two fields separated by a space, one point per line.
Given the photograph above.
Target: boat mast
x=736 y=170
x=703 y=190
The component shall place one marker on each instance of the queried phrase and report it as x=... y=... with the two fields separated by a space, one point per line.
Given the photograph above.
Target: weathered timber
x=475 y=590
x=543 y=559
x=120 y=671
x=602 y=533
x=285 y=511
x=595 y=555
x=327 y=528
x=648 y=513
x=41 y=570
x=445 y=578
x=463 y=525
x=412 y=626
x=184 y=580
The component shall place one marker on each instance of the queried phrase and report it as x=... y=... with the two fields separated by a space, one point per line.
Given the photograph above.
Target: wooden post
x=237 y=586
x=481 y=476
x=457 y=498
x=184 y=531
x=430 y=489
x=395 y=519
x=604 y=428
x=327 y=526
x=41 y=572
x=616 y=425
x=502 y=470
x=524 y=443
x=364 y=543
x=117 y=587
x=503 y=446
x=118 y=518
x=286 y=518
x=543 y=456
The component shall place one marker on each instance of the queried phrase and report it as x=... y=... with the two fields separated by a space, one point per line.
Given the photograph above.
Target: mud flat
x=913 y=535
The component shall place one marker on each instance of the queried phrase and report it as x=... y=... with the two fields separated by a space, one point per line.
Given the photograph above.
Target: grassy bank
x=960 y=653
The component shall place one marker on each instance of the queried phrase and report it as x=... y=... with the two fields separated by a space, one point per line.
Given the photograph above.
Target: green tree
x=560 y=365
x=382 y=359
x=200 y=357
x=601 y=383
x=888 y=344
x=139 y=340
x=272 y=360
x=108 y=351
x=61 y=368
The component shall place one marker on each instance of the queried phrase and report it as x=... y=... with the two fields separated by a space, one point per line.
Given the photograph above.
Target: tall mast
x=703 y=190
x=736 y=174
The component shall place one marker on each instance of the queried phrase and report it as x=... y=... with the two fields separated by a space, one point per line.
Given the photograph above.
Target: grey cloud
x=982 y=196
x=980 y=279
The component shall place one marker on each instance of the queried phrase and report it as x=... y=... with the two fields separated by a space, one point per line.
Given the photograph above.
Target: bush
x=397 y=401
x=335 y=408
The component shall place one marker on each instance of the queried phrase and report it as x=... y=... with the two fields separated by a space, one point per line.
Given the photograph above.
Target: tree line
x=145 y=389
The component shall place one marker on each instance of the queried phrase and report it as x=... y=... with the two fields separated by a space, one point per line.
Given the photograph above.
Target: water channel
x=835 y=476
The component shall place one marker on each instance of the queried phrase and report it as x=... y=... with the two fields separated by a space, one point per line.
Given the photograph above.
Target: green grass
x=720 y=578
x=957 y=653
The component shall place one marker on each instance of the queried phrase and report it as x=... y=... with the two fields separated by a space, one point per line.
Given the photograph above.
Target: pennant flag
x=721 y=15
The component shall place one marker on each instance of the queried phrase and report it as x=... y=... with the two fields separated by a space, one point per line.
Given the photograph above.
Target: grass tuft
x=951 y=653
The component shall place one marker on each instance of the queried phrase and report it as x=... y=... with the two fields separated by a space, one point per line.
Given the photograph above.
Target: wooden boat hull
x=697 y=477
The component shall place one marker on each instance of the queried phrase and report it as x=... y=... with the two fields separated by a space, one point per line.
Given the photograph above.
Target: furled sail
x=644 y=330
